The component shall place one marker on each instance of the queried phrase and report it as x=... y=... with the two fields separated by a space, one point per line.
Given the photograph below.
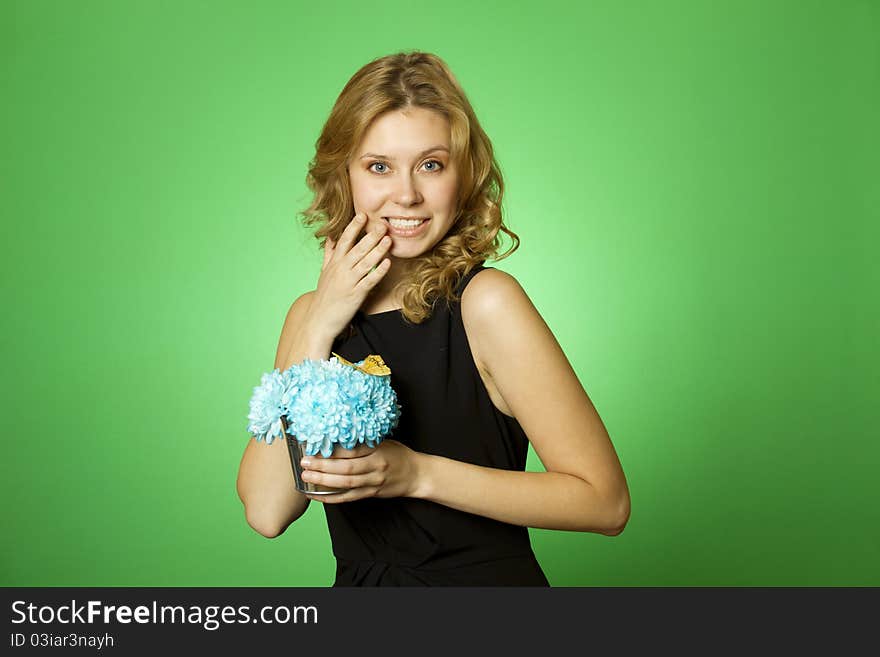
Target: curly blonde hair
x=398 y=82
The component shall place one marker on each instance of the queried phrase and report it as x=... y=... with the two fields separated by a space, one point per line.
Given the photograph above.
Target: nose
x=406 y=192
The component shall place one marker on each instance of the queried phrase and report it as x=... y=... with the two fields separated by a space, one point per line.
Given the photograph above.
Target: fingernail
x=306 y=463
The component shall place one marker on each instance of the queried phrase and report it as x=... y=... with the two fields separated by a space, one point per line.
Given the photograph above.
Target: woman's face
x=402 y=172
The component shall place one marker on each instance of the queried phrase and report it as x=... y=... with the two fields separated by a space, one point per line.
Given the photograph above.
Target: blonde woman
x=407 y=201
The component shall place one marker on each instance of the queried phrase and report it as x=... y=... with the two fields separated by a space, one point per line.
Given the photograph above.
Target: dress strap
x=467 y=277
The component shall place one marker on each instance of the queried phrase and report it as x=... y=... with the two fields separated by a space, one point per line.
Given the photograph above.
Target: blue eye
x=382 y=164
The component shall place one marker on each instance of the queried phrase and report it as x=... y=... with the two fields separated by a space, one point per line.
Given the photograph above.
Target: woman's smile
x=406 y=228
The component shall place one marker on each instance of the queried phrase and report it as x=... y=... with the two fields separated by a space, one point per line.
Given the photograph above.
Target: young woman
x=408 y=202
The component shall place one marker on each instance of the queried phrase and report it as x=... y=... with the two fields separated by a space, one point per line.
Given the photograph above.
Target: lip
x=407 y=232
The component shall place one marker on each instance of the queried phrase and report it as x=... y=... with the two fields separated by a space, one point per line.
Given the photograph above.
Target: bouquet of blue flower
x=317 y=405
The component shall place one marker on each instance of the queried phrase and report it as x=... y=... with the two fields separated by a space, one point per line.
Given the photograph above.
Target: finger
x=369 y=281
x=347 y=496
x=365 y=245
x=358 y=450
x=371 y=259
x=328 y=251
x=342 y=466
x=349 y=234
x=371 y=478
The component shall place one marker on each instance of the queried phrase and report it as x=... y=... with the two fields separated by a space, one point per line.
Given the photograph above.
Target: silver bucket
x=296 y=449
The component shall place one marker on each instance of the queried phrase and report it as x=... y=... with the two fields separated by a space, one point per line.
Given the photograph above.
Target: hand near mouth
x=349 y=273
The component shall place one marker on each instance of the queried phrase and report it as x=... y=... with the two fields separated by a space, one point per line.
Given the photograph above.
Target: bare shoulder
x=498 y=317
x=503 y=329
x=301 y=304
x=294 y=319
x=491 y=297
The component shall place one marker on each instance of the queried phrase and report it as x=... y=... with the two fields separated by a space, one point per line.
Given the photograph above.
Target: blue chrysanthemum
x=325 y=403
x=267 y=406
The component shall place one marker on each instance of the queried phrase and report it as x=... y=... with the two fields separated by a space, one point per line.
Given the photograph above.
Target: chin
x=406 y=250
x=406 y=253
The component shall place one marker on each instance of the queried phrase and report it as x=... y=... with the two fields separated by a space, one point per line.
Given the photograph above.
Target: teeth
x=405 y=223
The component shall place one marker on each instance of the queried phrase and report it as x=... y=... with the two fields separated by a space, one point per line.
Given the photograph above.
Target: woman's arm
x=351 y=269
x=547 y=500
x=584 y=488
x=265 y=479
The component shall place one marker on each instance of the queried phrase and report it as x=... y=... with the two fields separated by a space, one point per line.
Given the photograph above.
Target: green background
x=696 y=189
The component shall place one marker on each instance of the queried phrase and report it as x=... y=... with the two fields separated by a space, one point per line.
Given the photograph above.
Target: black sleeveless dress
x=446 y=411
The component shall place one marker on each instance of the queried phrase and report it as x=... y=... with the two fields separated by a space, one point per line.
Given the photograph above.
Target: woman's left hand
x=388 y=470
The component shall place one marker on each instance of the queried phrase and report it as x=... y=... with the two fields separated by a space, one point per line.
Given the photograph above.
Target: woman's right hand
x=348 y=274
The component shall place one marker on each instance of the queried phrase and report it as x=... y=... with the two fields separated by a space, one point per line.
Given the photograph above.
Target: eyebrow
x=439 y=147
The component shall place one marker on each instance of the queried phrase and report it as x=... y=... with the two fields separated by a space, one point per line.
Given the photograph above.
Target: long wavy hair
x=398 y=82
